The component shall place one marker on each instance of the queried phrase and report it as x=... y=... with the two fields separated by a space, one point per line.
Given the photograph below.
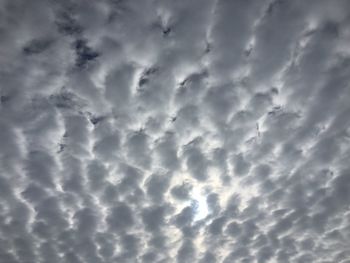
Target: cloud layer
x=174 y=131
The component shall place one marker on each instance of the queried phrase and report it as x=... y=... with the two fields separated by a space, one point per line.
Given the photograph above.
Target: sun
x=199 y=204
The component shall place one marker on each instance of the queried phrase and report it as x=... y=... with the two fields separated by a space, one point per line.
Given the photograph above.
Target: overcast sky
x=174 y=131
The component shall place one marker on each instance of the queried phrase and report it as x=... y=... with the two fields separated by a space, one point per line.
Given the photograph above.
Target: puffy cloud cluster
x=174 y=131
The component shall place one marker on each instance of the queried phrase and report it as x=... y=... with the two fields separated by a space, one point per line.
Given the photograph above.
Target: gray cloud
x=167 y=131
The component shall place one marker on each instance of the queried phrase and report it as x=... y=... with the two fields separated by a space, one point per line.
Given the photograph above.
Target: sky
x=162 y=131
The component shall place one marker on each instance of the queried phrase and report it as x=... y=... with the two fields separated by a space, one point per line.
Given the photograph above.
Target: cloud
x=167 y=131
x=120 y=217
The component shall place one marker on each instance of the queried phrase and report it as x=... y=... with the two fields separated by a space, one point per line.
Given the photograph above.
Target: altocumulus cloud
x=174 y=131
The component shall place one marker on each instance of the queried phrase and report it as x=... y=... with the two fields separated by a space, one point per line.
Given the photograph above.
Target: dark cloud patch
x=36 y=46
x=50 y=216
x=157 y=185
x=215 y=228
x=167 y=151
x=86 y=221
x=191 y=89
x=138 y=148
x=34 y=193
x=196 y=162
x=241 y=166
x=269 y=39
x=40 y=168
x=67 y=23
x=84 y=53
x=118 y=84
x=185 y=217
x=66 y=100
x=181 y=192
x=224 y=36
x=108 y=146
x=153 y=217
x=221 y=102
x=96 y=175
x=186 y=253
x=208 y=258
x=120 y=217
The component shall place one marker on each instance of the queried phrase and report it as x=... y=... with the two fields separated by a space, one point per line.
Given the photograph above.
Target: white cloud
x=174 y=131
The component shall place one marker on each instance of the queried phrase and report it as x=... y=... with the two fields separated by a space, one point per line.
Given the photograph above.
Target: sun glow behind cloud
x=199 y=203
